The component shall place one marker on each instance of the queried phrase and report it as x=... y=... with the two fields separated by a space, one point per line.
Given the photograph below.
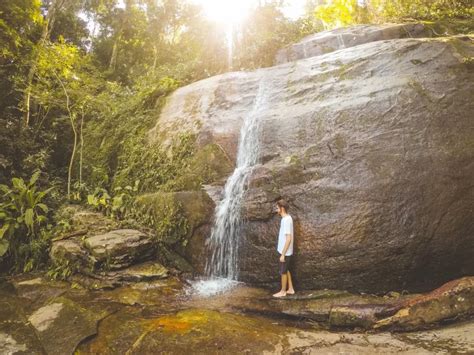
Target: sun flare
x=231 y=14
x=229 y=11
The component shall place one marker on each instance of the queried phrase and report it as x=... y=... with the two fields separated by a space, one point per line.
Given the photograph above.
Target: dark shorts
x=285 y=266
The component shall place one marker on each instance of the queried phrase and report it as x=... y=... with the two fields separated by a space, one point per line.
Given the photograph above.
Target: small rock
x=120 y=248
x=68 y=250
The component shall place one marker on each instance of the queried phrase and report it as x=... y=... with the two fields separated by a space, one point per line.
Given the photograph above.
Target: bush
x=23 y=241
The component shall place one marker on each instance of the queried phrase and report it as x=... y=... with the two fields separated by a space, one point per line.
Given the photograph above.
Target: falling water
x=340 y=41
x=230 y=45
x=223 y=243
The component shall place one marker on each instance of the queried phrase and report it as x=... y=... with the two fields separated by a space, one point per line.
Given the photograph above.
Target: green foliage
x=114 y=206
x=100 y=200
x=265 y=32
x=122 y=156
x=420 y=9
x=122 y=199
x=19 y=20
x=22 y=214
x=61 y=270
x=171 y=33
x=339 y=13
x=157 y=167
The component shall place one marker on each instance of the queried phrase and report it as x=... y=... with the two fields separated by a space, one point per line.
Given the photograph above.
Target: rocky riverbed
x=41 y=316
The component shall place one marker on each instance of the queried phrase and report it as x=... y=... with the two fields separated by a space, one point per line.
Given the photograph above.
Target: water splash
x=205 y=287
x=223 y=243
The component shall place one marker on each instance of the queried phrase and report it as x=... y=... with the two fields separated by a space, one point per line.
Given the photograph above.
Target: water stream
x=223 y=244
x=340 y=41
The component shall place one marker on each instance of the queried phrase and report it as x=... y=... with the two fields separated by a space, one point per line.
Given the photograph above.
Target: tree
x=53 y=7
x=265 y=31
x=20 y=26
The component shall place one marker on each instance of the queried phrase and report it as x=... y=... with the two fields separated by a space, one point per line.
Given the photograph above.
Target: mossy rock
x=208 y=165
x=175 y=215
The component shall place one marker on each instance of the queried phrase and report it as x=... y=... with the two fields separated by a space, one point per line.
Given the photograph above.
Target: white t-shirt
x=286 y=227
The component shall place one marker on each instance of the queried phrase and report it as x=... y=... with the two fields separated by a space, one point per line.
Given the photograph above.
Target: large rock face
x=373 y=147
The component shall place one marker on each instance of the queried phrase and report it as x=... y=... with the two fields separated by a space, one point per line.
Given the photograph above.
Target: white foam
x=211 y=287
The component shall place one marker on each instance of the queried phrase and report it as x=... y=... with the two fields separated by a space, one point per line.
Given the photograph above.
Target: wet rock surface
x=62 y=324
x=371 y=146
x=17 y=336
x=163 y=316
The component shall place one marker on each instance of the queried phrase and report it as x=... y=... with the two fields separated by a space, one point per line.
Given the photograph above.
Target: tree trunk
x=82 y=146
x=155 y=57
x=56 y=5
x=73 y=125
x=113 y=58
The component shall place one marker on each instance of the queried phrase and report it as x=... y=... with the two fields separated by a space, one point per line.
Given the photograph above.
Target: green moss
x=207 y=165
x=173 y=215
x=462 y=48
x=290 y=174
x=420 y=90
x=327 y=49
x=469 y=63
x=343 y=72
x=292 y=159
x=340 y=143
x=163 y=214
x=191 y=104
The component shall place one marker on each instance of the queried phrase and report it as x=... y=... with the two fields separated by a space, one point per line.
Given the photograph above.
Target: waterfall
x=223 y=243
x=340 y=41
